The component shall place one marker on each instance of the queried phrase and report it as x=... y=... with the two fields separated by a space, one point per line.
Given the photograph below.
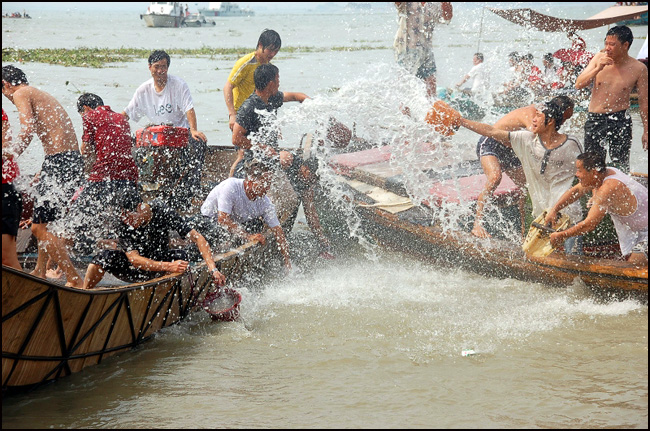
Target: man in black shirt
x=144 y=234
x=255 y=131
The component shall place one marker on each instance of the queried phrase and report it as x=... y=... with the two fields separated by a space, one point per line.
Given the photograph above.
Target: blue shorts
x=491 y=147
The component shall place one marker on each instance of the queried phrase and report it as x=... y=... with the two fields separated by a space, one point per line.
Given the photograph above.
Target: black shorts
x=61 y=176
x=115 y=262
x=491 y=147
x=613 y=131
x=12 y=209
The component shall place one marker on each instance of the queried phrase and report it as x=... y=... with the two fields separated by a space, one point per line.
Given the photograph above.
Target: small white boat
x=197 y=20
x=225 y=9
x=164 y=14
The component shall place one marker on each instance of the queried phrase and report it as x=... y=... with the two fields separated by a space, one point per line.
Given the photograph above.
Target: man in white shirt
x=481 y=79
x=238 y=205
x=166 y=99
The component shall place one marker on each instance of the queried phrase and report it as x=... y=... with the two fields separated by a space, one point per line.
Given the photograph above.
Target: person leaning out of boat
x=144 y=234
x=256 y=131
x=241 y=208
x=547 y=157
x=614 y=193
x=12 y=203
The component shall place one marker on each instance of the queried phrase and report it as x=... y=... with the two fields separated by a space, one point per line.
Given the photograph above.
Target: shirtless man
x=496 y=157
x=62 y=169
x=614 y=74
x=614 y=193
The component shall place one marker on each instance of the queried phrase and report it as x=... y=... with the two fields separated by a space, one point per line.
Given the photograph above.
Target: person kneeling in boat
x=144 y=232
x=239 y=206
x=614 y=193
x=548 y=159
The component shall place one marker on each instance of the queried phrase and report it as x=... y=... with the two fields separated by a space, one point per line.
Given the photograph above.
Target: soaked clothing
x=414 y=39
x=61 y=176
x=632 y=230
x=549 y=173
x=150 y=241
x=12 y=208
x=613 y=131
x=110 y=135
x=242 y=79
x=491 y=147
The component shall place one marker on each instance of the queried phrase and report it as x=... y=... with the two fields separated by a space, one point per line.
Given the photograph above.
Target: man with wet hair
x=166 y=99
x=241 y=208
x=256 y=131
x=614 y=193
x=613 y=74
x=144 y=233
x=241 y=81
x=547 y=157
x=61 y=173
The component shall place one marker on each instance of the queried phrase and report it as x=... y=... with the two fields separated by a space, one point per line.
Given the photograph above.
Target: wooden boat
x=387 y=214
x=50 y=331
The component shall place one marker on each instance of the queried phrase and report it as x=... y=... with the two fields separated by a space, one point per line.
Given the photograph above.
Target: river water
x=372 y=339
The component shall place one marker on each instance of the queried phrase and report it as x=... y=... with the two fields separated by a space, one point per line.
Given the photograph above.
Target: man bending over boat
x=166 y=99
x=614 y=74
x=107 y=144
x=614 y=193
x=496 y=158
x=256 y=131
x=144 y=234
x=241 y=207
x=62 y=170
x=547 y=157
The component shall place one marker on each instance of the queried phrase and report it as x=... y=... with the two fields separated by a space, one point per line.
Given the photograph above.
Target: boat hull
x=50 y=331
x=415 y=231
x=156 y=20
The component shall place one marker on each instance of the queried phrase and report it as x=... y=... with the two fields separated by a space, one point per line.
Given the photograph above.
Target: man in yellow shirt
x=241 y=84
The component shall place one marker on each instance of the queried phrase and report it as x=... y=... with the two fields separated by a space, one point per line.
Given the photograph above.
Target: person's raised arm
x=229 y=98
x=487 y=130
x=204 y=248
x=596 y=64
x=294 y=97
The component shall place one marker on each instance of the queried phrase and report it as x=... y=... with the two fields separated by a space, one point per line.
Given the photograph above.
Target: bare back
x=42 y=114
x=614 y=84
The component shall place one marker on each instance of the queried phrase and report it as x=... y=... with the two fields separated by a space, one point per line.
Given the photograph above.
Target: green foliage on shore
x=100 y=57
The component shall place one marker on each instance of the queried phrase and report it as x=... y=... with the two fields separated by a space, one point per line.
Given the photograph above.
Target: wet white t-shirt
x=549 y=173
x=167 y=107
x=230 y=197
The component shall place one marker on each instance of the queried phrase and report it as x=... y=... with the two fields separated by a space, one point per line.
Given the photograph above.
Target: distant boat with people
x=225 y=9
x=164 y=14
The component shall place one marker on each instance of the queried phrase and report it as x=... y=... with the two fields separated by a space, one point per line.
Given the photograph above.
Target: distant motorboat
x=225 y=9
x=164 y=14
x=197 y=20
